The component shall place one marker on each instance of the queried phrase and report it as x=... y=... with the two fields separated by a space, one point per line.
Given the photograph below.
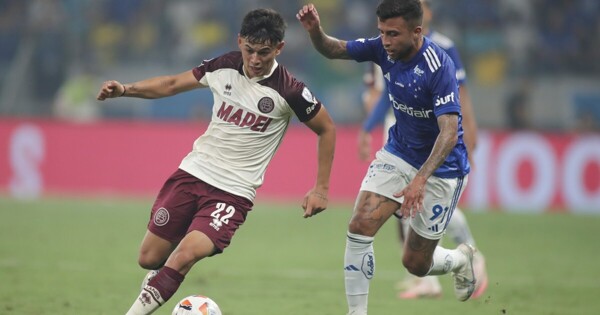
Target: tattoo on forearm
x=444 y=143
x=329 y=47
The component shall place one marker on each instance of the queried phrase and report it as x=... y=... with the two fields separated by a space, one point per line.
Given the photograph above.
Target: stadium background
x=77 y=177
x=532 y=72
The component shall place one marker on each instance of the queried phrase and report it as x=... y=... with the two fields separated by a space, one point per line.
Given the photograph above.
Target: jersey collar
x=256 y=79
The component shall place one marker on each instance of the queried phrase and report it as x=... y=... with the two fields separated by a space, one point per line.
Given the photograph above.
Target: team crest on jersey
x=266 y=105
x=418 y=71
x=161 y=217
x=387 y=76
x=308 y=95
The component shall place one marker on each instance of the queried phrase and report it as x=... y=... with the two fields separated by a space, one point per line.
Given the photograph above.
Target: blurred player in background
x=379 y=109
x=204 y=202
x=422 y=170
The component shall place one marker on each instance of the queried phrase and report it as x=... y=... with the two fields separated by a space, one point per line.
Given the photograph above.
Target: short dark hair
x=263 y=26
x=410 y=10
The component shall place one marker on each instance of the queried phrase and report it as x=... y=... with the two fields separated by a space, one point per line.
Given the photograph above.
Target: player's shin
x=359 y=268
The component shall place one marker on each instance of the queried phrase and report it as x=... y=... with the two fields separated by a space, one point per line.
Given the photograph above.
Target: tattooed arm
x=328 y=46
x=414 y=192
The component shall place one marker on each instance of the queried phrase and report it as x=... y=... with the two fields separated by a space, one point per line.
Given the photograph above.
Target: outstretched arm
x=328 y=46
x=156 y=87
x=316 y=200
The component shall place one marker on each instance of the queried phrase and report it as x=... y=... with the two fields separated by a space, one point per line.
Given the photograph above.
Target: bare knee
x=360 y=226
x=154 y=251
x=370 y=214
x=151 y=261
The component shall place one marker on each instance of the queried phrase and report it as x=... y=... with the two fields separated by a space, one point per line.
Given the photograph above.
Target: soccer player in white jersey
x=458 y=229
x=208 y=197
x=422 y=170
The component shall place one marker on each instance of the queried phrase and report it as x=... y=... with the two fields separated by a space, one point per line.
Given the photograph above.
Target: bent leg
x=371 y=211
x=154 y=251
x=194 y=247
x=458 y=229
x=423 y=257
x=418 y=253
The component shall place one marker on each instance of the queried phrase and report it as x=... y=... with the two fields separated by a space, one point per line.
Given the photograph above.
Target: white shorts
x=389 y=174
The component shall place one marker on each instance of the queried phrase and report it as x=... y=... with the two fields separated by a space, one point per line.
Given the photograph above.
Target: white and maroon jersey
x=249 y=119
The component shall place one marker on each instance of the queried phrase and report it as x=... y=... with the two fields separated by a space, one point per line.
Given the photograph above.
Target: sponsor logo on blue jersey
x=418 y=113
x=445 y=99
x=418 y=71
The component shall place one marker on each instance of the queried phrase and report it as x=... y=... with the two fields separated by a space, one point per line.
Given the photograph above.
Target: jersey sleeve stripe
x=428 y=61
x=434 y=57
x=437 y=59
x=432 y=60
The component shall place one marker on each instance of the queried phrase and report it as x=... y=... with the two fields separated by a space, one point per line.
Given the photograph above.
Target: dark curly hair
x=410 y=10
x=263 y=26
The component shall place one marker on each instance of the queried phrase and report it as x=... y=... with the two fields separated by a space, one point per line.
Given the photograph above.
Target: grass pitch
x=78 y=256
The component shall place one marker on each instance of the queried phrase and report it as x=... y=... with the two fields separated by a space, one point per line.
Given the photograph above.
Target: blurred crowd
x=536 y=36
x=51 y=51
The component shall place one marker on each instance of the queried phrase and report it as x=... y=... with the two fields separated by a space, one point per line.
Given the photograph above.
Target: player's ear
x=418 y=30
x=240 y=40
x=279 y=47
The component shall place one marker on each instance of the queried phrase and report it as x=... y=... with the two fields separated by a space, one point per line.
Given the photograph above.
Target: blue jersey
x=448 y=46
x=419 y=90
x=383 y=105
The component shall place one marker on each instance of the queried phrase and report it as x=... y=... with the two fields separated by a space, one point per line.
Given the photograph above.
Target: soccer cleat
x=426 y=288
x=464 y=278
x=480 y=274
x=151 y=274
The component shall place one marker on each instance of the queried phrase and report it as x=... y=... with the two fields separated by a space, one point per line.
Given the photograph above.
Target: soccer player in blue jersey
x=422 y=170
x=458 y=228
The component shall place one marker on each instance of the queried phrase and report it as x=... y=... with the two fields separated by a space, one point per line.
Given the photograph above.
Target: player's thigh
x=441 y=198
x=371 y=211
x=154 y=250
x=219 y=216
x=175 y=206
x=387 y=175
x=375 y=203
x=171 y=215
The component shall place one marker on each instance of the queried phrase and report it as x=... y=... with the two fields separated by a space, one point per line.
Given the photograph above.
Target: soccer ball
x=196 y=305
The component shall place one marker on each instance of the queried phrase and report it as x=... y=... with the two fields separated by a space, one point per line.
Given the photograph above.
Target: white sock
x=458 y=228
x=147 y=302
x=359 y=268
x=446 y=260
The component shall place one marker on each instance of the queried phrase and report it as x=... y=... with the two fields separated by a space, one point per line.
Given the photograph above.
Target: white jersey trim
x=432 y=59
